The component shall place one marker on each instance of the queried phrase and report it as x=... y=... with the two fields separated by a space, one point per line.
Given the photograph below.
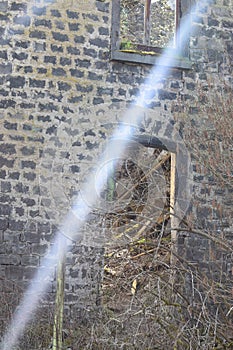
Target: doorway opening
x=142 y=189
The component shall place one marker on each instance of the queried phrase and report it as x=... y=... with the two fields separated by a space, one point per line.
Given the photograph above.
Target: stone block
x=64 y=61
x=37 y=34
x=16 y=225
x=76 y=73
x=30 y=260
x=62 y=86
x=3 y=6
x=5 y=68
x=39 y=11
x=99 y=42
x=59 y=72
x=9 y=163
x=23 y=20
x=55 y=13
x=5 y=210
x=72 y=14
x=60 y=37
x=74 y=27
x=9 y=259
x=56 y=48
x=90 y=52
x=43 y=23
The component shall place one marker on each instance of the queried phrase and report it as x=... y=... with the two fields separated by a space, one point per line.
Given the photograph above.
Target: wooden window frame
x=146 y=56
x=179 y=194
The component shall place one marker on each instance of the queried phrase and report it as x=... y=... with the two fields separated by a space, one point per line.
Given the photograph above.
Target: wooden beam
x=147 y=22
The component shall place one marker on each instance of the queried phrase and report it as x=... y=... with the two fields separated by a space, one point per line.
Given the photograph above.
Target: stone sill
x=150 y=59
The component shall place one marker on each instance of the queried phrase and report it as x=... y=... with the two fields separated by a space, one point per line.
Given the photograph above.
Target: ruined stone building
x=68 y=79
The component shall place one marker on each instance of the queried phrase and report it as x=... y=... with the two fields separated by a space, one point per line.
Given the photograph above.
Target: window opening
x=141 y=230
x=148 y=22
x=141 y=29
x=141 y=196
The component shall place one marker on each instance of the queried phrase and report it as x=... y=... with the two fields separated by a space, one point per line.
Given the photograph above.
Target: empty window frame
x=148 y=22
x=141 y=29
x=142 y=191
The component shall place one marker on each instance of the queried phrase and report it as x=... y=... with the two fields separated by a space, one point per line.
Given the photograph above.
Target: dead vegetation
x=147 y=301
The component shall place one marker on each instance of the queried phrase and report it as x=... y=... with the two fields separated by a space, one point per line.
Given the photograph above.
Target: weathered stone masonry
x=60 y=97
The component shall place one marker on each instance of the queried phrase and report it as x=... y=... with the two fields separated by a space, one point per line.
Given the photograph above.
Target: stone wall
x=60 y=98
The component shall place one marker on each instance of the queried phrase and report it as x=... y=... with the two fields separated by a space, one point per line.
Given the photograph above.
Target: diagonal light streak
x=71 y=226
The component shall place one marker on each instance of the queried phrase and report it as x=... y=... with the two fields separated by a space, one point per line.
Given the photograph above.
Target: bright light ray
x=32 y=297
x=78 y=215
